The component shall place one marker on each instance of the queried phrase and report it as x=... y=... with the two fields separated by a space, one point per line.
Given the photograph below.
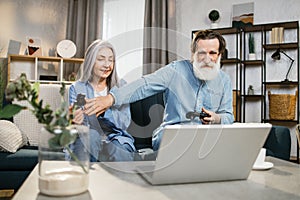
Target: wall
x=44 y=19
x=193 y=16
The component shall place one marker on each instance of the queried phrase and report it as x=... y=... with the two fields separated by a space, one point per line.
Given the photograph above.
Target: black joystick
x=80 y=100
x=203 y=114
x=193 y=114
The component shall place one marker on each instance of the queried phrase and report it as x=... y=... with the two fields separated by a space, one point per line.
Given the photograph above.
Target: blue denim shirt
x=183 y=92
x=120 y=116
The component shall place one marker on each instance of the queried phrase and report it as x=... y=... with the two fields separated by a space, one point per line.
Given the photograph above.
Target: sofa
x=146 y=116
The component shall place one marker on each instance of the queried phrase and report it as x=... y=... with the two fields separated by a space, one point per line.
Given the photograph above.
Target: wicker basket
x=282 y=106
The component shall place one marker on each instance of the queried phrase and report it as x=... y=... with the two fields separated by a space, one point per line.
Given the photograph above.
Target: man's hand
x=212 y=119
x=98 y=105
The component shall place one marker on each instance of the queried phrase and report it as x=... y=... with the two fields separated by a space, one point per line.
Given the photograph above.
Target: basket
x=282 y=106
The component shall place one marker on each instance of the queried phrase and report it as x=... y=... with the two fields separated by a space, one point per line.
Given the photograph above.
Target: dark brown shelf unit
x=269 y=84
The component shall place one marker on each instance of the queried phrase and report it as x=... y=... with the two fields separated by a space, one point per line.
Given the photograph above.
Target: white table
x=280 y=182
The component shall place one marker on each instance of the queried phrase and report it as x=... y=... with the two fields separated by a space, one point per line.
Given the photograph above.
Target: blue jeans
x=106 y=150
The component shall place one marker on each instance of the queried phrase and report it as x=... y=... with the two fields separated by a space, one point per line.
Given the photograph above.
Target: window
x=123 y=24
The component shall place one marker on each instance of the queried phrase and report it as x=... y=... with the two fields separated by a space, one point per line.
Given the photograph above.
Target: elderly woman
x=109 y=140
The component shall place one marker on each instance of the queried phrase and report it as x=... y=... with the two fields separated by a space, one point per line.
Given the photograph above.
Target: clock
x=66 y=49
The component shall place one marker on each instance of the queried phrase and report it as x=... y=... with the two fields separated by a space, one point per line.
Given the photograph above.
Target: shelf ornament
x=214 y=16
x=251 y=44
x=276 y=56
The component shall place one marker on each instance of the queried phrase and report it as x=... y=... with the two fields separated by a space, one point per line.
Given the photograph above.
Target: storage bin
x=282 y=106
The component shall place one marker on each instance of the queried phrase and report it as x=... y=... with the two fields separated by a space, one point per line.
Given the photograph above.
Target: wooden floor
x=294 y=159
x=6 y=194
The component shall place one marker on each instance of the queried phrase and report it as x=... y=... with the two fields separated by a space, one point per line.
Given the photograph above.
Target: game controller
x=203 y=114
x=80 y=101
x=193 y=114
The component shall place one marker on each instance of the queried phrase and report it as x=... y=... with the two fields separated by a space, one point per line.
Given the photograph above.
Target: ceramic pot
x=252 y=56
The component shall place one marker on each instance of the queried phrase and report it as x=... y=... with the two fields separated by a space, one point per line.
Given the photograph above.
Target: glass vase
x=64 y=161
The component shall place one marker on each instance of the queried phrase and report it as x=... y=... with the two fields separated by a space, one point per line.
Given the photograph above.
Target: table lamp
x=276 y=56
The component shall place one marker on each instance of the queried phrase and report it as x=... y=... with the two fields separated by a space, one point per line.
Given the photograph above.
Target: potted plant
x=214 y=16
x=58 y=175
x=251 y=44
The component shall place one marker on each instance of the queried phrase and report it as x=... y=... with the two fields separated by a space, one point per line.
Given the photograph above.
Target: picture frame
x=34 y=46
x=243 y=15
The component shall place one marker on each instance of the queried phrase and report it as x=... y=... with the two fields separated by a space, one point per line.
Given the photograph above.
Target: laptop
x=204 y=153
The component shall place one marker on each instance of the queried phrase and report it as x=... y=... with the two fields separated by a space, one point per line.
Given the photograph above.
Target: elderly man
x=190 y=87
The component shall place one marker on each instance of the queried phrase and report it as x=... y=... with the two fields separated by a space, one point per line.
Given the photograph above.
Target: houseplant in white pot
x=251 y=44
x=60 y=174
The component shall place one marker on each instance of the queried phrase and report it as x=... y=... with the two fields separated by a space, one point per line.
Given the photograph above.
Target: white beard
x=206 y=73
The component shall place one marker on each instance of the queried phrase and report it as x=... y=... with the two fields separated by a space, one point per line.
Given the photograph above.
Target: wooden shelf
x=230 y=61
x=278 y=83
x=285 y=25
x=273 y=120
x=254 y=28
x=223 y=31
x=43 y=58
x=36 y=59
x=255 y=96
x=253 y=62
x=293 y=45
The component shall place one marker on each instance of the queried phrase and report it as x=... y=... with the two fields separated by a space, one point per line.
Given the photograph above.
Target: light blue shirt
x=119 y=116
x=183 y=92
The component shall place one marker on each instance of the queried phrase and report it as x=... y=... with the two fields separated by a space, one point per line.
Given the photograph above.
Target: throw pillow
x=11 y=138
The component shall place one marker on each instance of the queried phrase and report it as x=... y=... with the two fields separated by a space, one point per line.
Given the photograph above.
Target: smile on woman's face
x=104 y=63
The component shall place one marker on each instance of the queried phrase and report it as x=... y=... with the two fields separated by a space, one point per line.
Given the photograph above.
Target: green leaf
x=11 y=110
x=67 y=138
x=36 y=87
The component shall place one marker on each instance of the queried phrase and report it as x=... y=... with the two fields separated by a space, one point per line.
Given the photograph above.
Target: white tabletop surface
x=119 y=181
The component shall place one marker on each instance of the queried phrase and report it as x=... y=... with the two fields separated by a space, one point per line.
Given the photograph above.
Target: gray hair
x=90 y=59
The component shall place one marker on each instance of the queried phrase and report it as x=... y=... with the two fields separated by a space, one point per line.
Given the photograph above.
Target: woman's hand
x=78 y=115
x=98 y=105
x=212 y=119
